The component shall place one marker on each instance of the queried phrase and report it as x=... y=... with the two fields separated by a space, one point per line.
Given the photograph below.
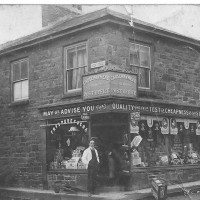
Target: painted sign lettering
x=69 y=121
x=161 y=109
x=98 y=64
x=109 y=84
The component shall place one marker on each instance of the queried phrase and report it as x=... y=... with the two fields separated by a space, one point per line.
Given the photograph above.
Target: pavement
x=174 y=192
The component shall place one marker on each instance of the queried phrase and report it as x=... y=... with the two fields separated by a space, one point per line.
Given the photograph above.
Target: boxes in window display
x=75 y=162
x=81 y=165
x=72 y=163
x=136 y=159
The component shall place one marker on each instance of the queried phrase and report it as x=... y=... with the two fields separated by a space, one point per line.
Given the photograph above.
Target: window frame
x=13 y=82
x=150 y=60
x=66 y=49
x=53 y=127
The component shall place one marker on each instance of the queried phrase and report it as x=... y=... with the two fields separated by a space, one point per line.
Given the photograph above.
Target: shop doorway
x=110 y=131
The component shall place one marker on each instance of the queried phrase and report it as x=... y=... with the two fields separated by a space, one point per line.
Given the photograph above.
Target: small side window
x=20 y=83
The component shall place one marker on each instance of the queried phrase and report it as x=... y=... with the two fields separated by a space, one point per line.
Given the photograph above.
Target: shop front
x=137 y=139
x=67 y=138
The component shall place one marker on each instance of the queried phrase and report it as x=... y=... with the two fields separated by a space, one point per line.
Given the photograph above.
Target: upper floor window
x=76 y=66
x=141 y=61
x=20 y=84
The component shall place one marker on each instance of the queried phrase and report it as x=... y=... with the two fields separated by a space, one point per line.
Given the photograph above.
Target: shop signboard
x=108 y=84
x=98 y=64
x=133 y=106
x=85 y=116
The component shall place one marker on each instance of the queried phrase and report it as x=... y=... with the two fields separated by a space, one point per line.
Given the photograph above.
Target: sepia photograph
x=99 y=101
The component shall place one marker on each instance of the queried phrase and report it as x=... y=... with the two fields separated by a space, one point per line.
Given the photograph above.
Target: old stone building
x=132 y=88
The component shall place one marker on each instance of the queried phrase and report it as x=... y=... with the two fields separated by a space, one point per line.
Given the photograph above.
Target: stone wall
x=177 y=73
x=68 y=180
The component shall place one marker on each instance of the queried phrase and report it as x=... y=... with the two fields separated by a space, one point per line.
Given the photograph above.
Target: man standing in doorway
x=91 y=159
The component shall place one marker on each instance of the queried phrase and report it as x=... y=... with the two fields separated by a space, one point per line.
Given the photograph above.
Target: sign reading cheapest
x=109 y=83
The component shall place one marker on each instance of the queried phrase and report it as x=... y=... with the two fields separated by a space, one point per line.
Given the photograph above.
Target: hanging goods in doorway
x=136 y=141
x=198 y=128
x=134 y=118
x=173 y=126
x=165 y=126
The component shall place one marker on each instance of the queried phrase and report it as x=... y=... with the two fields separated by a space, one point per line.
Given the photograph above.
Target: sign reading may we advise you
x=108 y=84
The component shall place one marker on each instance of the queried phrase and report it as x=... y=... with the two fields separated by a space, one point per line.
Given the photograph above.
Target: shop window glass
x=153 y=149
x=179 y=145
x=185 y=145
x=76 y=66
x=140 y=61
x=66 y=141
x=20 y=84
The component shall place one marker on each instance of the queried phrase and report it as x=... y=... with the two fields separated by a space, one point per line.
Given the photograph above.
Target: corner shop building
x=49 y=120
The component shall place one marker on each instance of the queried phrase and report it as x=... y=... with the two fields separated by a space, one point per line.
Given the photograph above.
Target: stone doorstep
x=172 y=190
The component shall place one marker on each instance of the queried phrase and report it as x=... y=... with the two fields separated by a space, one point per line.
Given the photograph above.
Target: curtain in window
x=25 y=89
x=74 y=74
x=143 y=78
x=134 y=55
x=17 y=91
x=20 y=80
x=79 y=64
x=140 y=58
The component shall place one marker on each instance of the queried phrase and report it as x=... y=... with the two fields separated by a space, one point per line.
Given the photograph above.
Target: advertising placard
x=109 y=83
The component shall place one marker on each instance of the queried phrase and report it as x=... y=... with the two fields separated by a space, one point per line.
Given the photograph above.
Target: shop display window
x=152 y=142
x=185 y=145
x=175 y=144
x=66 y=141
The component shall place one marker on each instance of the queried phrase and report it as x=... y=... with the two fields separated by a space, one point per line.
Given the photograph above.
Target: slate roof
x=65 y=25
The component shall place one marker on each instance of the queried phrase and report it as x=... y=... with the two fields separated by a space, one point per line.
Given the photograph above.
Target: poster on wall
x=165 y=126
x=186 y=124
x=136 y=141
x=173 y=126
x=149 y=122
x=134 y=128
x=134 y=117
x=198 y=128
